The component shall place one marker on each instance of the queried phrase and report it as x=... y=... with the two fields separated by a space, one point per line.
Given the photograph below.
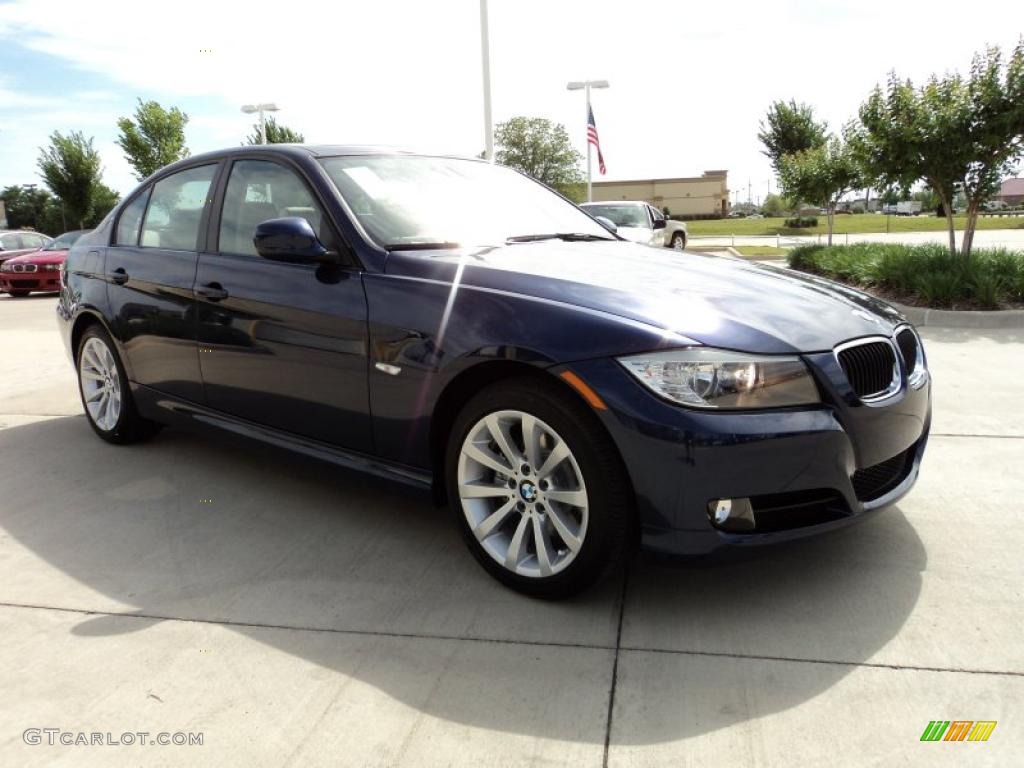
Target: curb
x=967 y=318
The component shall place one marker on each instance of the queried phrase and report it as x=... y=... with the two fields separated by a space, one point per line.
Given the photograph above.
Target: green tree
x=821 y=176
x=541 y=149
x=775 y=206
x=106 y=199
x=31 y=208
x=789 y=128
x=154 y=139
x=70 y=166
x=959 y=137
x=276 y=134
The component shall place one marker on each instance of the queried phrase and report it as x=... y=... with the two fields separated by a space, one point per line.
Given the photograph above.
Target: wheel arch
x=471 y=380
x=89 y=317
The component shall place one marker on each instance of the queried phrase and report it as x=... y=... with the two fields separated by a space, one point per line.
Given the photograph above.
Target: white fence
x=779 y=241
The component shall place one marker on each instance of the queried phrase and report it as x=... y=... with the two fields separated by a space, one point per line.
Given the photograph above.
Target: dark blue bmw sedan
x=458 y=326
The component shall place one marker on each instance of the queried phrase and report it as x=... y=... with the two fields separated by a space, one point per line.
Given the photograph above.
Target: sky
x=689 y=81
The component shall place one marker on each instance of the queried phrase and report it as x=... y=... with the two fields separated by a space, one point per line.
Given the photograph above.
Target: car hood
x=714 y=300
x=40 y=257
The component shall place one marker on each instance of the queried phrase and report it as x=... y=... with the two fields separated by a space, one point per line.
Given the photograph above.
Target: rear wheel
x=678 y=241
x=538 y=489
x=106 y=396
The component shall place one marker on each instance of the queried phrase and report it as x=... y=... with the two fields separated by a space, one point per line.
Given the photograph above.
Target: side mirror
x=607 y=223
x=659 y=223
x=289 y=239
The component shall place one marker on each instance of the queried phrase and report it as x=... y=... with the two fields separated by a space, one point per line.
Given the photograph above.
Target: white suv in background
x=640 y=222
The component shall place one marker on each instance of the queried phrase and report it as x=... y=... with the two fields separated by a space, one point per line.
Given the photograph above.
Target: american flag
x=592 y=139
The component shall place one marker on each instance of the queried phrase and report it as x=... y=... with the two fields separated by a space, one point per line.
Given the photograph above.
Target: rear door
x=150 y=271
x=281 y=344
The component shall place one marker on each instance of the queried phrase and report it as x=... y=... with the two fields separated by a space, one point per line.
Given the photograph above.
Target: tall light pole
x=586 y=85
x=485 y=54
x=261 y=108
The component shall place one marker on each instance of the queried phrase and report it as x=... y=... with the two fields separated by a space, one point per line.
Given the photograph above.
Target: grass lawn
x=854 y=224
x=761 y=250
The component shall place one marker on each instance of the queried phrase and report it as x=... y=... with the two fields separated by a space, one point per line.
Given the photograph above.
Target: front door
x=280 y=344
x=150 y=270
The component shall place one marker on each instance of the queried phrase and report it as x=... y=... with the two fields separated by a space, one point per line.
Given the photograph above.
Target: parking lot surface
x=298 y=614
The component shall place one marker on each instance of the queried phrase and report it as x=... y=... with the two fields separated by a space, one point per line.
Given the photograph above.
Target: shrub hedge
x=922 y=274
x=802 y=222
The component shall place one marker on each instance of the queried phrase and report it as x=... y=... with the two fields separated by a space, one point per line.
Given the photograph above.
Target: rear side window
x=176 y=208
x=131 y=218
x=259 y=190
x=10 y=242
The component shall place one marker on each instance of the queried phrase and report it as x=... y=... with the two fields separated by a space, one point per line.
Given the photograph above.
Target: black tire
x=609 y=537
x=19 y=294
x=680 y=238
x=129 y=427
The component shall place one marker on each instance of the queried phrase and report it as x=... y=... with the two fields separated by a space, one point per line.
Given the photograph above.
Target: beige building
x=706 y=195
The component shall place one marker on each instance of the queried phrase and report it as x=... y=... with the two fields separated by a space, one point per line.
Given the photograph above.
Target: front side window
x=405 y=201
x=131 y=219
x=176 y=209
x=259 y=190
x=10 y=242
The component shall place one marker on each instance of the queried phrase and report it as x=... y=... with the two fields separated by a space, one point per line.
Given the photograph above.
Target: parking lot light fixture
x=261 y=108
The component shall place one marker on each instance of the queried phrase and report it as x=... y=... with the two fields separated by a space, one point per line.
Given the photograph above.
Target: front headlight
x=702 y=377
x=5 y=267
x=52 y=267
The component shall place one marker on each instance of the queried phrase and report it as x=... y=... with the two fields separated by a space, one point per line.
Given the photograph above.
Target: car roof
x=316 y=150
x=614 y=202
x=299 y=150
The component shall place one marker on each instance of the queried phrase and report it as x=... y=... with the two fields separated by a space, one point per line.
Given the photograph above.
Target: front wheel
x=19 y=294
x=678 y=241
x=538 y=489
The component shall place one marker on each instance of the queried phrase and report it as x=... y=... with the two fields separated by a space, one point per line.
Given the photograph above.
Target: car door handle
x=211 y=292
x=119 y=276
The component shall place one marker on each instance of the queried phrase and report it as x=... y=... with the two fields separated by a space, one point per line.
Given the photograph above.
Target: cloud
x=689 y=81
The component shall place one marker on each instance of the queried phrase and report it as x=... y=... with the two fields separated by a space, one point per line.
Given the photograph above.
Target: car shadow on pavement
x=222 y=530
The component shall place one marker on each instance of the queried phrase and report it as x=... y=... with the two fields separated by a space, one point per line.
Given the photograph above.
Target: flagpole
x=485 y=54
x=590 y=194
x=586 y=85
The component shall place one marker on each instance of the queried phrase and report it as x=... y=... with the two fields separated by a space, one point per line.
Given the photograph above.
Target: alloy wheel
x=522 y=492
x=101 y=383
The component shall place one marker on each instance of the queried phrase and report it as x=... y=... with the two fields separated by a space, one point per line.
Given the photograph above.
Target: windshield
x=409 y=201
x=620 y=215
x=65 y=241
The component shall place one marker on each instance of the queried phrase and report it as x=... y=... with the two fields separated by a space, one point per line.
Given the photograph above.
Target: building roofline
x=708 y=176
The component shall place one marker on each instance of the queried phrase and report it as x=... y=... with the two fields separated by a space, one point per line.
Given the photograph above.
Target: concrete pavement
x=298 y=614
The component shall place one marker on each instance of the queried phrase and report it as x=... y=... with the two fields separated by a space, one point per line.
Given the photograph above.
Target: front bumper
x=29 y=281
x=806 y=470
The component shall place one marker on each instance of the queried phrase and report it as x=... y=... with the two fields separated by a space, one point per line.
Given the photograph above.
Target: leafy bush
x=925 y=273
x=802 y=222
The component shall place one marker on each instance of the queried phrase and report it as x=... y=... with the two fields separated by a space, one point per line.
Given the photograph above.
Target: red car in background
x=37 y=270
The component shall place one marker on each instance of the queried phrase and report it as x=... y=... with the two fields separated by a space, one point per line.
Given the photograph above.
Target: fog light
x=731 y=514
